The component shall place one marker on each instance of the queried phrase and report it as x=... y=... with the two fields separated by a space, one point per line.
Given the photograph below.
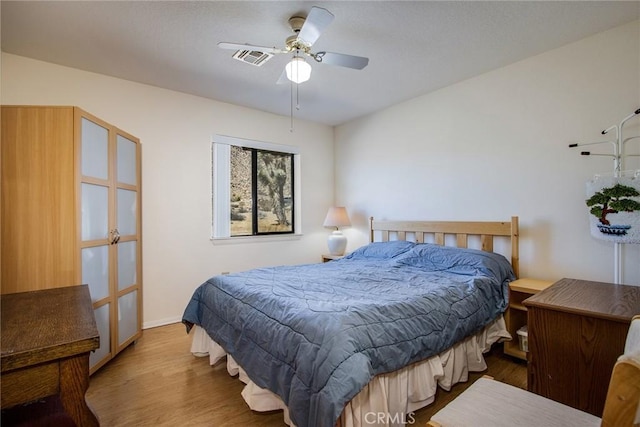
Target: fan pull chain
x=291 y=103
x=297 y=101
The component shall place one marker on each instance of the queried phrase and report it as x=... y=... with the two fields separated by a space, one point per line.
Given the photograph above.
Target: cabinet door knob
x=115 y=236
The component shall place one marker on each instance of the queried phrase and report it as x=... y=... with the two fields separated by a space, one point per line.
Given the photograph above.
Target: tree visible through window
x=261 y=192
x=255 y=189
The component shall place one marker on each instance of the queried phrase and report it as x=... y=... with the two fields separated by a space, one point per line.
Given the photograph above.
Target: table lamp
x=337 y=217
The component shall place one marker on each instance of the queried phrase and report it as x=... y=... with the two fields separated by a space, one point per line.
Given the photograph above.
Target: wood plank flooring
x=157 y=382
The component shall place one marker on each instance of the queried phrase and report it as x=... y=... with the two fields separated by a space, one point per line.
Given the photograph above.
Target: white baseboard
x=161 y=322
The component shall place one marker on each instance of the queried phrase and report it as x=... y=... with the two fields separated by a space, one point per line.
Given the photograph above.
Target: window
x=261 y=192
x=254 y=188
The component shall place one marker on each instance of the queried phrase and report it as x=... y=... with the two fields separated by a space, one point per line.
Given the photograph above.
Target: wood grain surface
x=39 y=214
x=46 y=339
x=45 y=325
x=594 y=299
x=577 y=331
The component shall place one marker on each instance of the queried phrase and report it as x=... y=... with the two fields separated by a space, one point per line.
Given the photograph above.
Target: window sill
x=254 y=239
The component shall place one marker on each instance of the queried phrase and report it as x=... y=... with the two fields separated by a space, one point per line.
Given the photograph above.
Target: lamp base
x=337 y=243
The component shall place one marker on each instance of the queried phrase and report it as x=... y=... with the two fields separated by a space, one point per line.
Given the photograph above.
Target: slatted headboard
x=486 y=230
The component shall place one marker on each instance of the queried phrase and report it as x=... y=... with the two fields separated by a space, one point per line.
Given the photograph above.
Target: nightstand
x=327 y=258
x=577 y=331
x=515 y=316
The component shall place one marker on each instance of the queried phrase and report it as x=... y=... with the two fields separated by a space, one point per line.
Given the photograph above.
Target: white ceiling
x=414 y=47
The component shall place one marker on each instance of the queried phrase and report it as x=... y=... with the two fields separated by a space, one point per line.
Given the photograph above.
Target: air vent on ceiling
x=253 y=57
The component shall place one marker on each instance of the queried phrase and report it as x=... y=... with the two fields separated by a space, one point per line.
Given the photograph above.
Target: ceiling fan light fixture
x=298 y=70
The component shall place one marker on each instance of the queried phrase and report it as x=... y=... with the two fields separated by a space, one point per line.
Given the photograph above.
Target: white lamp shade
x=337 y=217
x=298 y=71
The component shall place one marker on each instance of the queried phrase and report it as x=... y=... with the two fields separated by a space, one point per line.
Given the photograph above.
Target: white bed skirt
x=389 y=400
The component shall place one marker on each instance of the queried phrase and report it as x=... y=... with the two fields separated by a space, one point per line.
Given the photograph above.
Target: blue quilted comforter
x=316 y=334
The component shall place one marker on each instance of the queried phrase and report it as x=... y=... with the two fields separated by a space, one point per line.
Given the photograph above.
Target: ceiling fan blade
x=315 y=23
x=246 y=46
x=349 y=61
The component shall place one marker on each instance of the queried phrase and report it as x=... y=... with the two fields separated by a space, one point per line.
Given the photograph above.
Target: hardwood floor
x=157 y=382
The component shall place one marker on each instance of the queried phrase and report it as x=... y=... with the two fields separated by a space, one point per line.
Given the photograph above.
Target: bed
x=366 y=339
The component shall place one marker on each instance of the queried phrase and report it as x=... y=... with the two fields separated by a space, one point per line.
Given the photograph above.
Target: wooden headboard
x=486 y=230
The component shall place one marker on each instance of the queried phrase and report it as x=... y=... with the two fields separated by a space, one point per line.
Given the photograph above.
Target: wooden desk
x=46 y=339
x=577 y=330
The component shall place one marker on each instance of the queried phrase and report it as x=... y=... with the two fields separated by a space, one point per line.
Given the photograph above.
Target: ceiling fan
x=307 y=31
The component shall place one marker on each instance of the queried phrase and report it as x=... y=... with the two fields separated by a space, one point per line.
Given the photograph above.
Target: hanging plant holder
x=614 y=201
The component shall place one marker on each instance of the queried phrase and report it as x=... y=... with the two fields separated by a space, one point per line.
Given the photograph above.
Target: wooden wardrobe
x=70 y=215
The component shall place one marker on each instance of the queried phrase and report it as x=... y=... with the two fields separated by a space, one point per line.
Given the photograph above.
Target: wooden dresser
x=577 y=330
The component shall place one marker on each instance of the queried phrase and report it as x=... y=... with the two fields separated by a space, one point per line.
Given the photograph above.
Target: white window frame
x=221 y=187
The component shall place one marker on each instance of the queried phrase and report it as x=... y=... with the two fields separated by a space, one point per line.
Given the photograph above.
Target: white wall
x=175 y=130
x=484 y=149
x=497 y=145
